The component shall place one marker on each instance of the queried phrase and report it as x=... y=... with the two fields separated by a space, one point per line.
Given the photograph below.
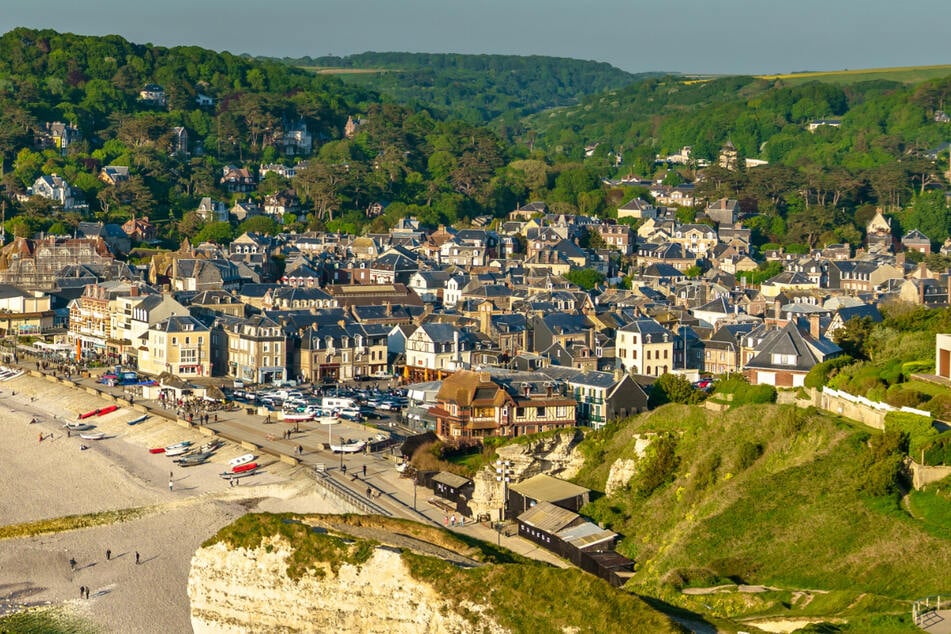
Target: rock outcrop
x=623 y=469
x=555 y=455
x=248 y=590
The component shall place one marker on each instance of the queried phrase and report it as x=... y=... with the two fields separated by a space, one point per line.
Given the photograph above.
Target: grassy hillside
x=774 y=495
x=901 y=74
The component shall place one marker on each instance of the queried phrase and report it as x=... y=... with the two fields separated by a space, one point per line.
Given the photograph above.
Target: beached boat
x=136 y=421
x=184 y=443
x=177 y=451
x=241 y=468
x=107 y=410
x=90 y=413
x=211 y=446
x=297 y=417
x=350 y=447
x=240 y=460
x=78 y=426
x=157 y=450
x=93 y=435
x=230 y=475
x=194 y=459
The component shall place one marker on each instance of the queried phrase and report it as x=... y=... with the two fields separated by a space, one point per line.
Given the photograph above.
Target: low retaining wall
x=871 y=413
x=922 y=475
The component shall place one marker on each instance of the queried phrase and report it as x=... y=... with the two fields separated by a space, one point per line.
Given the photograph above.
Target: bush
x=746 y=454
x=899 y=396
x=884 y=466
x=939 y=451
x=821 y=373
x=658 y=466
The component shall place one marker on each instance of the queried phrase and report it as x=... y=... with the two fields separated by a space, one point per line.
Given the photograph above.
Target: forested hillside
x=872 y=144
x=476 y=88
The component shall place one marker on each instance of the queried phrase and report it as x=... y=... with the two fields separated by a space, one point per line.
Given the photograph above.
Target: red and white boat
x=240 y=460
x=241 y=468
x=107 y=410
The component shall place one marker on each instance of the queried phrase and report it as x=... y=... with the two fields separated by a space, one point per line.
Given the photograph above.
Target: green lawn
x=905 y=74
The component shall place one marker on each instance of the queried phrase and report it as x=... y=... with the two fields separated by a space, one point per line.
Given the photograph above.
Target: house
x=783 y=355
x=23 y=312
x=204 y=101
x=57 y=135
x=132 y=314
x=56 y=189
x=204 y=275
x=815 y=124
x=212 y=210
x=915 y=240
x=601 y=397
x=179 y=141
x=560 y=328
x=281 y=204
x=179 y=345
x=878 y=234
x=114 y=174
x=237 y=179
x=435 y=351
x=724 y=211
x=244 y=209
x=637 y=208
x=296 y=139
x=942 y=362
x=153 y=94
x=620 y=237
x=698 y=239
x=843 y=315
x=721 y=352
x=645 y=347
x=253 y=350
x=429 y=285
x=342 y=350
x=140 y=229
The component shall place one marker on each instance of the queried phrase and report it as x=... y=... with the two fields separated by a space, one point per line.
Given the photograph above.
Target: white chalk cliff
x=248 y=590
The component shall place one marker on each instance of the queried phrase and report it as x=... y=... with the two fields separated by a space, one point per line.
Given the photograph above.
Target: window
x=188 y=355
x=174 y=341
x=519 y=412
x=540 y=412
x=783 y=359
x=188 y=341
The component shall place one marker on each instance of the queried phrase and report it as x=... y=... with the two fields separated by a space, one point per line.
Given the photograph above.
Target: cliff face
x=241 y=590
x=553 y=455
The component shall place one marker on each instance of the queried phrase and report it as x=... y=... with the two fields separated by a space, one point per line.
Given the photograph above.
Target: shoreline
x=53 y=478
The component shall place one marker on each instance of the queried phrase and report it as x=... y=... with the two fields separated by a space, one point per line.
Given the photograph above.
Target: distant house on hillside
x=153 y=94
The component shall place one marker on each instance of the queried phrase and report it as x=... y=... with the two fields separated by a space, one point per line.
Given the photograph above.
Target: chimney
x=922 y=270
x=900 y=259
x=455 y=348
x=814 y=326
x=921 y=291
x=134 y=290
x=388 y=309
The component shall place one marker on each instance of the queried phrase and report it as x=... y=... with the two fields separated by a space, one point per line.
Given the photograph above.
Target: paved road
x=389 y=492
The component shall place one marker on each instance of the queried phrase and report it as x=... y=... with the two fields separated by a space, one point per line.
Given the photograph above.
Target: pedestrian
x=108 y=554
x=344 y=469
x=69 y=434
x=171 y=485
x=82 y=592
x=170 y=475
x=216 y=418
x=369 y=492
x=300 y=450
x=452 y=520
x=136 y=558
x=364 y=471
x=41 y=437
x=445 y=520
x=72 y=563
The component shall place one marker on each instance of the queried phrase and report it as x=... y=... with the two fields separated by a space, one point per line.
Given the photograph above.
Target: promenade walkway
x=381 y=490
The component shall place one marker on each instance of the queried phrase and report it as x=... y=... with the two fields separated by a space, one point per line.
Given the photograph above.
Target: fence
x=859 y=408
x=345 y=495
x=924 y=612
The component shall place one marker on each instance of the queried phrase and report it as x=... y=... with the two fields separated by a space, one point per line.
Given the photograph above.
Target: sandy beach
x=55 y=478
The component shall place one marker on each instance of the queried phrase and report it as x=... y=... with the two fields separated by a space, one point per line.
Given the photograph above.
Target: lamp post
x=502 y=473
x=415 y=482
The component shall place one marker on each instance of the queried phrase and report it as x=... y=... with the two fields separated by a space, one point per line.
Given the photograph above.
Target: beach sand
x=55 y=478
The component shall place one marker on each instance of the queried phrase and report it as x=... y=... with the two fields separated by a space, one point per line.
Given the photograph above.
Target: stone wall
x=922 y=475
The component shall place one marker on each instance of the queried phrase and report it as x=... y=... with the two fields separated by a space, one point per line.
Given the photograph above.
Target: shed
x=542 y=523
x=449 y=485
x=545 y=488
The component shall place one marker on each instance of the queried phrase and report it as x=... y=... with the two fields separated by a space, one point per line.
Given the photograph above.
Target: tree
x=259 y=224
x=217 y=232
x=852 y=336
x=585 y=278
x=673 y=388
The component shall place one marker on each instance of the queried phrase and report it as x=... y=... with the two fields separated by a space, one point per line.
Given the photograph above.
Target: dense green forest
x=476 y=88
x=819 y=186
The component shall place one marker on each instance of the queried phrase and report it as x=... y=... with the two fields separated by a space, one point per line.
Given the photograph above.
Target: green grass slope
x=771 y=495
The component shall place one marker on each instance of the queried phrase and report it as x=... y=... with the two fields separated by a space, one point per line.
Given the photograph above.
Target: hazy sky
x=704 y=36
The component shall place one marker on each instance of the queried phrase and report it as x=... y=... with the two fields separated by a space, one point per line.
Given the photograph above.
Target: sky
x=690 y=36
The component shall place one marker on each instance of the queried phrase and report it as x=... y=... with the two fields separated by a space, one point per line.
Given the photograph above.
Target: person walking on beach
x=72 y=563
x=136 y=558
x=82 y=592
x=171 y=485
x=300 y=450
x=108 y=554
x=364 y=471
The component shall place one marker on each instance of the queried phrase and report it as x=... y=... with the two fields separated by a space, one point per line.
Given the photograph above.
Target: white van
x=334 y=403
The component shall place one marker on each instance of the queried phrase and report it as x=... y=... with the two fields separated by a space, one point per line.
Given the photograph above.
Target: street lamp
x=415 y=482
x=502 y=472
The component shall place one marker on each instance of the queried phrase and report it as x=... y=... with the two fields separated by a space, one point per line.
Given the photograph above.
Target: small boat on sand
x=157 y=450
x=211 y=446
x=240 y=460
x=241 y=468
x=350 y=447
x=136 y=421
x=177 y=451
x=230 y=475
x=90 y=413
x=78 y=426
x=194 y=459
x=95 y=435
x=107 y=410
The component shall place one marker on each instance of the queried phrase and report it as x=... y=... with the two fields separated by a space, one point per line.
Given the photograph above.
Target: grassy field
x=771 y=495
x=904 y=74
x=327 y=70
